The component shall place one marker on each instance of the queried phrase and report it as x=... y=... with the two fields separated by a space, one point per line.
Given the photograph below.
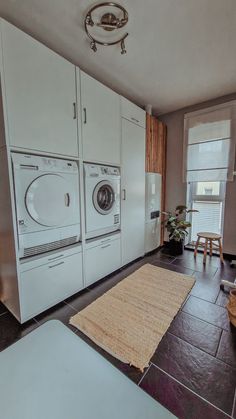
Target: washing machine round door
x=103 y=197
x=48 y=200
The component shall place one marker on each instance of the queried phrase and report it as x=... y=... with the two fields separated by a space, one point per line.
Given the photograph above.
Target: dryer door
x=103 y=197
x=48 y=200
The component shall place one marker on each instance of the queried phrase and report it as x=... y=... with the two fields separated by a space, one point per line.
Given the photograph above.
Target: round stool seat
x=208 y=235
x=212 y=242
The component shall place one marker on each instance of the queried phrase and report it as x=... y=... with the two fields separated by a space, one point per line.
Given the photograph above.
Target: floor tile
x=171 y=267
x=11 y=330
x=204 y=287
x=80 y=300
x=182 y=402
x=3 y=309
x=227 y=347
x=222 y=299
x=234 y=410
x=61 y=312
x=188 y=261
x=133 y=373
x=209 y=312
x=197 y=332
x=226 y=272
x=210 y=378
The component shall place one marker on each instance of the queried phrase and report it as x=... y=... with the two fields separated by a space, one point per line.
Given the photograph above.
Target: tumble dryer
x=102 y=199
x=47 y=203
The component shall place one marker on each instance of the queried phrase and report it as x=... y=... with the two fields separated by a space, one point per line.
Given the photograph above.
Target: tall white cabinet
x=100 y=108
x=40 y=95
x=133 y=190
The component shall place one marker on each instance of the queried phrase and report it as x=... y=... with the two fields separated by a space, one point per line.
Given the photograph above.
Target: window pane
x=209 y=218
x=208 y=188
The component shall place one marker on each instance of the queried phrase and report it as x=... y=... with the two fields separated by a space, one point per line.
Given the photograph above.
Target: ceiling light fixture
x=109 y=22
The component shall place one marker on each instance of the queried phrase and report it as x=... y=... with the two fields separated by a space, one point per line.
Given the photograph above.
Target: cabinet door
x=100 y=122
x=40 y=95
x=44 y=286
x=133 y=191
x=132 y=112
x=102 y=260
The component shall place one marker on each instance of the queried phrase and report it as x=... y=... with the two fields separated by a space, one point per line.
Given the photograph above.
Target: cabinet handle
x=106 y=241
x=74 y=108
x=134 y=119
x=57 y=264
x=85 y=116
x=56 y=257
x=124 y=194
x=67 y=199
x=104 y=247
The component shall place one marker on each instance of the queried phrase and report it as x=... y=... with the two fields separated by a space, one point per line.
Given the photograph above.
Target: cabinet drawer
x=46 y=285
x=101 y=261
x=132 y=112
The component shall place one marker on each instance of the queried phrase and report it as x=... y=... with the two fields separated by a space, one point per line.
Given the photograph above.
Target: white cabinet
x=132 y=112
x=49 y=280
x=133 y=191
x=40 y=95
x=102 y=257
x=100 y=122
x=152 y=235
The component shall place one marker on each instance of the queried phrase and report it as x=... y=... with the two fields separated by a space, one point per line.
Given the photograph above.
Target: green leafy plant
x=176 y=224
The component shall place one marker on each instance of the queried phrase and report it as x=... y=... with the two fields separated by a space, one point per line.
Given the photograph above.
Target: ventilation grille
x=35 y=250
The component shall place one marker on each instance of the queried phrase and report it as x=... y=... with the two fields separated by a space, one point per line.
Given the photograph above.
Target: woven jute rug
x=131 y=318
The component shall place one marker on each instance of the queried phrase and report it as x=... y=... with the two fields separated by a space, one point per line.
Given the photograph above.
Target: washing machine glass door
x=103 y=197
x=48 y=200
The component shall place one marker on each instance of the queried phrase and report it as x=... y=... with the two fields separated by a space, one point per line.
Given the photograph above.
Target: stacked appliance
x=47 y=203
x=152 y=211
x=102 y=199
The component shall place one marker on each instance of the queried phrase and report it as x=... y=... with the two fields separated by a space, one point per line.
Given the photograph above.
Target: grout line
x=217 y=349
x=201 y=349
x=234 y=404
x=144 y=374
x=68 y=304
x=5 y=312
x=199 y=318
x=189 y=389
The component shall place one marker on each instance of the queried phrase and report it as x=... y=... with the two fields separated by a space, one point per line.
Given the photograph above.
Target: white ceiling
x=179 y=52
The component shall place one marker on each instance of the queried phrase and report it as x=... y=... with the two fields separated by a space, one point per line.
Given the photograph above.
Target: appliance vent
x=35 y=250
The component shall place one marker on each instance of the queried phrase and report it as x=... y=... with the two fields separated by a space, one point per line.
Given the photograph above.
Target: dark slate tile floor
x=193 y=371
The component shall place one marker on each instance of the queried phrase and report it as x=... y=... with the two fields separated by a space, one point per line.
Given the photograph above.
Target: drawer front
x=133 y=113
x=47 y=285
x=102 y=241
x=101 y=261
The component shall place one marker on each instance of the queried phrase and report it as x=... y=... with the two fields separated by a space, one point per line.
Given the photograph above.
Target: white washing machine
x=47 y=203
x=102 y=199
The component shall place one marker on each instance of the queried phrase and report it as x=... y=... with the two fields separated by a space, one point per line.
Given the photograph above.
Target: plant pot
x=176 y=248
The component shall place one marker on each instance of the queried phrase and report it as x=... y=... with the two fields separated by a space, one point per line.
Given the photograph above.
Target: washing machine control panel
x=94 y=170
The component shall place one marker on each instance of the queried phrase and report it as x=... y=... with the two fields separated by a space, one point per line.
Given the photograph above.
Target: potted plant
x=177 y=226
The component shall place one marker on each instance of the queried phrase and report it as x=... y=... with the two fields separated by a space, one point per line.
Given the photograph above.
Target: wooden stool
x=210 y=238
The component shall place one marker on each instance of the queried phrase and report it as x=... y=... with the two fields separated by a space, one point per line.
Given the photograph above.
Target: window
x=209 y=155
x=208 y=199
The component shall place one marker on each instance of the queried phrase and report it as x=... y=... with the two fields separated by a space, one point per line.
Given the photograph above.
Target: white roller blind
x=209 y=145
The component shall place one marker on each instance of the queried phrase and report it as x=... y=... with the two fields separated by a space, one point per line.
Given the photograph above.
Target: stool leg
x=221 y=251
x=196 y=246
x=205 y=252
x=210 y=247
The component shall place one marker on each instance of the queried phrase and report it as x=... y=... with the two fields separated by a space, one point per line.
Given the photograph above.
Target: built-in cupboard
x=39 y=94
x=52 y=108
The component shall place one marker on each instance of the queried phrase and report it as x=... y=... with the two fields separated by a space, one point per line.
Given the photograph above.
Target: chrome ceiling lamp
x=109 y=22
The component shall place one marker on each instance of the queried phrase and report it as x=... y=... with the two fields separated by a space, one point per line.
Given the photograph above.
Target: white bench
x=53 y=374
